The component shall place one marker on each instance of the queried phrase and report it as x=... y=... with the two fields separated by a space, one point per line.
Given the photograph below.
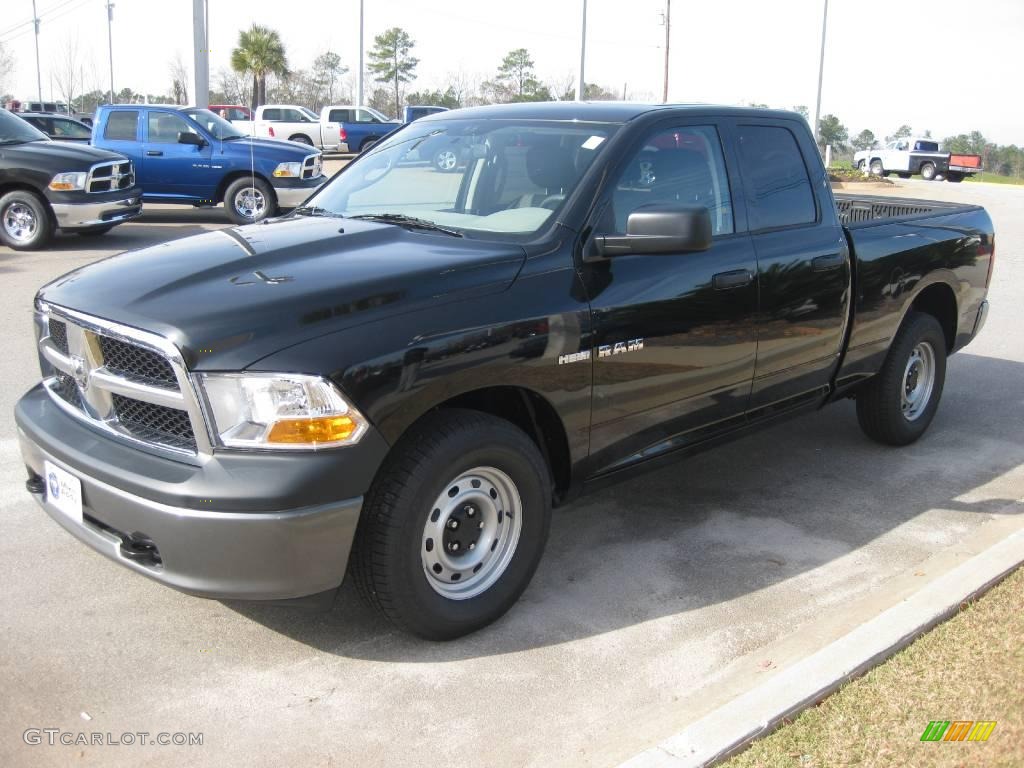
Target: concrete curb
x=758 y=712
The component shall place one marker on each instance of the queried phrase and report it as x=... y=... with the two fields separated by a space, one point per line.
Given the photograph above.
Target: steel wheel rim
x=446 y=160
x=20 y=222
x=250 y=202
x=918 y=381
x=486 y=508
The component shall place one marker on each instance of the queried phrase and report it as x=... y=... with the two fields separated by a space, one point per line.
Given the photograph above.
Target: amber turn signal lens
x=326 y=429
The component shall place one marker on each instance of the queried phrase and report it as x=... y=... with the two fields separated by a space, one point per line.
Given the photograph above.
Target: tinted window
x=293 y=116
x=681 y=166
x=926 y=146
x=237 y=114
x=70 y=129
x=121 y=126
x=774 y=170
x=271 y=114
x=340 y=116
x=164 y=127
x=42 y=123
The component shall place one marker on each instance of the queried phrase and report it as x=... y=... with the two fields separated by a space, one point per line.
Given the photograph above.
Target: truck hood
x=231 y=297
x=77 y=155
x=280 y=149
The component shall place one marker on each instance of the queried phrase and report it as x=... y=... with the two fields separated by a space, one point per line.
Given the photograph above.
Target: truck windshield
x=215 y=125
x=14 y=130
x=496 y=179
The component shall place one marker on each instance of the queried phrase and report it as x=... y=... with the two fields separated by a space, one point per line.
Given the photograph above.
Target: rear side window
x=271 y=114
x=121 y=126
x=926 y=146
x=340 y=116
x=776 y=176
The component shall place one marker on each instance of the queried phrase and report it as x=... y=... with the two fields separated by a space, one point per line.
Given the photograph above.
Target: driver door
x=172 y=169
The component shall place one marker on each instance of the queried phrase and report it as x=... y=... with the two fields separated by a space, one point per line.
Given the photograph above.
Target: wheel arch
x=938 y=299
x=226 y=182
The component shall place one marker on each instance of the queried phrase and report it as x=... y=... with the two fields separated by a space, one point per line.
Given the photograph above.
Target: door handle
x=831 y=261
x=154 y=153
x=738 y=278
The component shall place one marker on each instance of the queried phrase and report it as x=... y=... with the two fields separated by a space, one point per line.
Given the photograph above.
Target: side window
x=774 y=171
x=362 y=116
x=164 y=127
x=121 y=126
x=237 y=114
x=340 y=116
x=271 y=114
x=681 y=166
x=293 y=116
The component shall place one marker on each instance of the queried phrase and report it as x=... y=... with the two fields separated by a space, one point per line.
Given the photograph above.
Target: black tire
x=880 y=401
x=877 y=169
x=445 y=160
x=367 y=145
x=928 y=171
x=95 y=231
x=956 y=178
x=301 y=138
x=235 y=202
x=31 y=225
x=903 y=175
x=388 y=564
x=861 y=166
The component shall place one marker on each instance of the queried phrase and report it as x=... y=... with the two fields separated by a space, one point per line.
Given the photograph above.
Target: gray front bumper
x=256 y=556
x=84 y=215
x=292 y=197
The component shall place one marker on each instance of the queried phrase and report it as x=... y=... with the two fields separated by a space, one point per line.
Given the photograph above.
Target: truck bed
x=857 y=211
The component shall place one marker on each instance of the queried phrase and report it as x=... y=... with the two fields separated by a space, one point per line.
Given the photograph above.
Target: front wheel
x=25 y=221
x=896 y=406
x=877 y=169
x=454 y=525
x=861 y=165
x=249 y=200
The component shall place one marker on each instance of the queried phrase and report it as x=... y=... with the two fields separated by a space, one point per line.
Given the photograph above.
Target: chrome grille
x=110 y=177
x=137 y=363
x=125 y=382
x=311 y=166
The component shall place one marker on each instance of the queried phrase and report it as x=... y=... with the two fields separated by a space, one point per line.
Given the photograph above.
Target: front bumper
x=221 y=551
x=97 y=214
x=291 y=193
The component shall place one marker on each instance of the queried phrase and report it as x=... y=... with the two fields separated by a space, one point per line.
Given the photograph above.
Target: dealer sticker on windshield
x=593 y=142
x=64 y=491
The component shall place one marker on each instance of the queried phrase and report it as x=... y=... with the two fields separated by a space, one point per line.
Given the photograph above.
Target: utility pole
x=39 y=74
x=110 y=46
x=359 y=72
x=821 y=72
x=581 y=85
x=668 y=28
x=201 y=60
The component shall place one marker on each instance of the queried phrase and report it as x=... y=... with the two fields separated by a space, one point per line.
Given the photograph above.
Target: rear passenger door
x=675 y=335
x=803 y=263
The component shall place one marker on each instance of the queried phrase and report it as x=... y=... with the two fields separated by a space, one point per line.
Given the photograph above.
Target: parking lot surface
x=656 y=600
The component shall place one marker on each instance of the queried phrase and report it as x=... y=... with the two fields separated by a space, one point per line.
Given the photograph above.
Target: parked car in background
x=292 y=123
x=411 y=113
x=231 y=112
x=399 y=381
x=47 y=186
x=915 y=156
x=58 y=127
x=360 y=127
x=192 y=156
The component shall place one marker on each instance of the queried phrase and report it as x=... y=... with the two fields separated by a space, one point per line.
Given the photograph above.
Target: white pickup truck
x=292 y=123
x=913 y=156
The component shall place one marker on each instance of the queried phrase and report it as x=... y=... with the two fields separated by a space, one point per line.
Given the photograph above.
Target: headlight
x=68 y=182
x=288 y=410
x=288 y=170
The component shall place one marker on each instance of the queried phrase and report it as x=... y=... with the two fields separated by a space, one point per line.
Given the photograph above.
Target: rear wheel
x=25 y=221
x=446 y=160
x=301 y=138
x=877 y=169
x=956 y=178
x=454 y=525
x=367 y=145
x=896 y=406
x=248 y=200
x=861 y=164
x=928 y=171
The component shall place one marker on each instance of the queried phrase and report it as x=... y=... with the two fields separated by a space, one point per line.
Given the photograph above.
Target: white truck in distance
x=908 y=157
x=289 y=122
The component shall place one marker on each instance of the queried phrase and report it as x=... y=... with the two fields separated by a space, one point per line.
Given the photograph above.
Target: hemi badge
x=575 y=357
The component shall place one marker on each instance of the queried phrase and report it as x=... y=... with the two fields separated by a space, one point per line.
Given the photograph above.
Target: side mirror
x=660 y=228
x=187 y=137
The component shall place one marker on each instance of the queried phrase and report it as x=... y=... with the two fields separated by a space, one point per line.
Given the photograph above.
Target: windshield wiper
x=411 y=222
x=316 y=210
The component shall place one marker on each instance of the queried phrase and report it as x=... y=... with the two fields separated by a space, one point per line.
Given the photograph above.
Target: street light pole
x=359 y=73
x=668 y=28
x=821 y=72
x=39 y=74
x=581 y=84
x=110 y=46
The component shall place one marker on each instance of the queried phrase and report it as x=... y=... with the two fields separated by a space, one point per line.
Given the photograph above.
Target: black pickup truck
x=402 y=378
x=47 y=185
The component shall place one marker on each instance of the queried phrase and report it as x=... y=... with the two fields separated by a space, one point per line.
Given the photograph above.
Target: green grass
x=995 y=178
x=969 y=668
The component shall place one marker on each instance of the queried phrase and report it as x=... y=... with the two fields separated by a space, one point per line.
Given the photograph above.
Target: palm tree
x=259 y=53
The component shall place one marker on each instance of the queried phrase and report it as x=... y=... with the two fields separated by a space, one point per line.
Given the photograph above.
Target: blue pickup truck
x=192 y=156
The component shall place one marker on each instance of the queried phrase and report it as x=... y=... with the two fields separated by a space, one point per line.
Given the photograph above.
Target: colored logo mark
x=958 y=730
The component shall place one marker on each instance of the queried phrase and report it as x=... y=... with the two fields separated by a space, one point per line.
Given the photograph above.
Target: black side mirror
x=660 y=228
x=187 y=137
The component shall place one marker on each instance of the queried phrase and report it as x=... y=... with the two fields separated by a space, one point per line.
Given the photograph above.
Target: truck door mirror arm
x=187 y=137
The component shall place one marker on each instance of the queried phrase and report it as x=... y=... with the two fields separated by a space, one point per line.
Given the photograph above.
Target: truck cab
x=191 y=156
x=361 y=127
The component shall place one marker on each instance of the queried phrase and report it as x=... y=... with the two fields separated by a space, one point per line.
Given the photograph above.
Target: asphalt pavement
x=656 y=601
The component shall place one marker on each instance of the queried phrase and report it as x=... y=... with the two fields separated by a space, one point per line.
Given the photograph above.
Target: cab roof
x=598 y=111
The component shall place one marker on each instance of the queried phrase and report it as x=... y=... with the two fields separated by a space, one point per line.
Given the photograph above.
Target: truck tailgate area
x=862 y=209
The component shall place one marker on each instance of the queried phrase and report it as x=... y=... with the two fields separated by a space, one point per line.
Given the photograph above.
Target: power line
x=28 y=22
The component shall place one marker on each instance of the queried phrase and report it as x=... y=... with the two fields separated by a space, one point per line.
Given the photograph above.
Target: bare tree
x=67 y=70
x=179 y=79
x=237 y=88
x=6 y=68
x=563 y=87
